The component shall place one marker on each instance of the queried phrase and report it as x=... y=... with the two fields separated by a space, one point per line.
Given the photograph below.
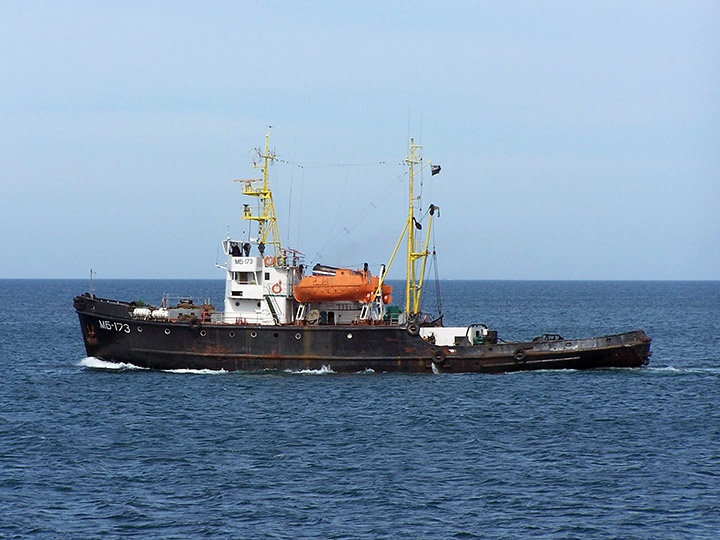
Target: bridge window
x=245 y=278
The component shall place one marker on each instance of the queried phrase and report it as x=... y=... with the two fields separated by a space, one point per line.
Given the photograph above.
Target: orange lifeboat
x=343 y=284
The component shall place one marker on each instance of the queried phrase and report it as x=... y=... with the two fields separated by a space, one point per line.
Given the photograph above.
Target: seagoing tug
x=277 y=318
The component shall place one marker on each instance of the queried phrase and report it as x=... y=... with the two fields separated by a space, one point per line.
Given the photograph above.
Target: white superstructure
x=258 y=289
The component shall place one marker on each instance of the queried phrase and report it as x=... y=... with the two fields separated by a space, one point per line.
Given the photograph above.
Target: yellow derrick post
x=423 y=255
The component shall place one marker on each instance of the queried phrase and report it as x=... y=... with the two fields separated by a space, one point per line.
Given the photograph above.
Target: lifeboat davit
x=343 y=285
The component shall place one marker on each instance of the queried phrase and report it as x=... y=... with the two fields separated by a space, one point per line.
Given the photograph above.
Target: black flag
x=435 y=169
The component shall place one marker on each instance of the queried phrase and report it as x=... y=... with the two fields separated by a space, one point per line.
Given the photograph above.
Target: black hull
x=112 y=335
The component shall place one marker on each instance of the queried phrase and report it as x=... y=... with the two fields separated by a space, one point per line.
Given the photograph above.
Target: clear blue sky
x=578 y=140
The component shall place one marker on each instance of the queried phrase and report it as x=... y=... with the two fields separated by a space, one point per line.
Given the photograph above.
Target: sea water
x=93 y=450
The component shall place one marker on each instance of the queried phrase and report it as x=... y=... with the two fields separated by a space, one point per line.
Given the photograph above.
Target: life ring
x=204 y=314
x=194 y=324
x=519 y=354
x=277 y=288
x=438 y=357
x=269 y=260
x=413 y=329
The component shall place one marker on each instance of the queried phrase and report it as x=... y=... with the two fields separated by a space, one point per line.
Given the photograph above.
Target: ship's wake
x=671 y=370
x=197 y=371
x=324 y=370
x=96 y=363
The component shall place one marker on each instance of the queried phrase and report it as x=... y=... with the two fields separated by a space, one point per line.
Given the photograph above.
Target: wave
x=712 y=370
x=197 y=371
x=96 y=363
x=325 y=370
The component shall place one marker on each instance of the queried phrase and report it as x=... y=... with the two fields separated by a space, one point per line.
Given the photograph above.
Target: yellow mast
x=411 y=160
x=417 y=249
x=267 y=221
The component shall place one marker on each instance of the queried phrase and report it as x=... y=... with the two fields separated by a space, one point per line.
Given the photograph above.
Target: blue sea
x=87 y=451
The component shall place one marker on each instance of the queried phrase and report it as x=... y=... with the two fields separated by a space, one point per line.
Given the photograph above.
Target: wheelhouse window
x=244 y=278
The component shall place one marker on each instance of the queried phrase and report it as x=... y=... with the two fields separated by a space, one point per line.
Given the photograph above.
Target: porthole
x=298 y=336
x=139 y=328
x=203 y=333
x=237 y=304
x=253 y=334
x=232 y=334
x=568 y=344
x=349 y=336
x=275 y=334
x=167 y=331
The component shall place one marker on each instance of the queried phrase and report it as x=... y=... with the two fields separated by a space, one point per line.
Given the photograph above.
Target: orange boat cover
x=345 y=285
